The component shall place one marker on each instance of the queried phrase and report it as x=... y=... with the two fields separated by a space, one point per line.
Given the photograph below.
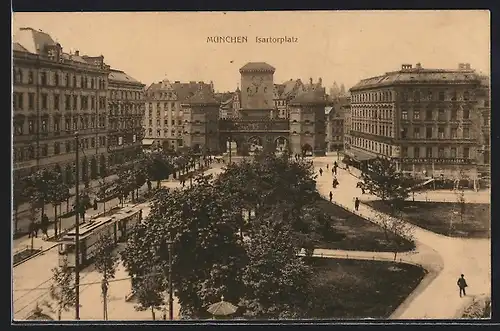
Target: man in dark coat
x=356 y=204
x=45 y=226
x=331 y=196
x=462 y=284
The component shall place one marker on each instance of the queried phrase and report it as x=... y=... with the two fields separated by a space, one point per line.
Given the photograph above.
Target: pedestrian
x=356 y=204
x=320 y=172
x=327 y=166
x=32 y=230
x=45 y=226
x=335 y=164
x=462 y=284
x=95 y=204
x=331 y=196
x=347 y=167
x=335 y=170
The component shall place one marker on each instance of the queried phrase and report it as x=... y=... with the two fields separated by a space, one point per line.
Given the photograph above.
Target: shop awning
x=360 y=155
x=147 y=142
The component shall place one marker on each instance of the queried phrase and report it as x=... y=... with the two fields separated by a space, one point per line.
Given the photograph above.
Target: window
x=68 y=146
x=453 y=115
x=92 y=142
x=74 y=81
x=404 y=133
x=416 y=114
x=67 y=102
x=158 y=133
x=44 y=150
x=441 y=114
x=31 y=78
x=466 y=133
x=67 y=124
x=56 y=79
x=465 y=114
x=441 y=132
x=18 y=128
x=31 y=126
x=441 y=152
x=466 y=96
x=404 y=114
x=416 y=152
x=428 y=132
x=441 y=96
x=56 y=101
x=404 y=152
x=92 y=103
x=44 y=125
x=75 y=102
x=57 y=148
x=43 y=78
x=416 y=133
x=428 y=152
x=453 y=152
x=57 y=124
x=31 y=101
x=44 y=101
x=428 y=114
x=466 y=153
x=454 y=134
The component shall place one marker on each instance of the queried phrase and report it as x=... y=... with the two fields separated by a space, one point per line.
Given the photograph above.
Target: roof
x=416 y=76
x=312 y=96
x=257 y=66
x=120 y=76
x=182 y=90
x=34 y=41
x=202 y=97
x=17 y=47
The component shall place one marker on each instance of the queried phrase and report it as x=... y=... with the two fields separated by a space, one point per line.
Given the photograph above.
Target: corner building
x=56 y=94
x=427 y=120
x=126 y=111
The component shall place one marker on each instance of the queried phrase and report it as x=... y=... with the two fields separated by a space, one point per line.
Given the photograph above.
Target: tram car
x=117 y=226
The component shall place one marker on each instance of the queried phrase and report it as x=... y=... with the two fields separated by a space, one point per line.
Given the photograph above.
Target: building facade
x=425 y=119
x=55 y=95
x=335 y=115
x=163 y=117
x=483 y=96
x=283 y=94
x=201 y=121
x=125 y=117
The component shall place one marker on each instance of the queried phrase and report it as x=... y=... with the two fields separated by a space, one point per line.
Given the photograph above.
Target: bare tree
x=105 y=263
x=396 y=230
x=62 y=289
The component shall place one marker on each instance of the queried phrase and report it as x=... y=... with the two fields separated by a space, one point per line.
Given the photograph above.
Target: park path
x=445 y=258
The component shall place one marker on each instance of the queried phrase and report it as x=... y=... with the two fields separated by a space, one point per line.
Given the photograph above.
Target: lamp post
x=77 y=229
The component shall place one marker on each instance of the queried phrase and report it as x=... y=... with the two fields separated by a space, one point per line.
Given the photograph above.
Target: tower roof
x=257 y=67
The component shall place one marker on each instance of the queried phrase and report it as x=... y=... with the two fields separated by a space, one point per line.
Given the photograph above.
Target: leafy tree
x=384 y=181
x=276 y=279
x=59 y=194
x=396 y=230
x=62 y=290
x=149 y=291
x=103 y=191
x=41 y=187
x=105 y=263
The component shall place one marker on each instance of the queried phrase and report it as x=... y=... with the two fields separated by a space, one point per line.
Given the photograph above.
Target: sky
x=340 y=46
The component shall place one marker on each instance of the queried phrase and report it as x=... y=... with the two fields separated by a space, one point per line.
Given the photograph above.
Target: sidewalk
x=439 y=299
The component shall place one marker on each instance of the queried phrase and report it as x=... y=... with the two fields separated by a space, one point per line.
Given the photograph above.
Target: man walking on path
x=331 y=196
x=356 y=204
x=320 y=172
x=45 y=226
x=462 y=284
x=327 y=166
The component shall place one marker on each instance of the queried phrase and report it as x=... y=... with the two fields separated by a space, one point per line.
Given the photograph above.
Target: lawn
x=437 y=217
x=351 y=289
x=352 y=232
x=24 y=254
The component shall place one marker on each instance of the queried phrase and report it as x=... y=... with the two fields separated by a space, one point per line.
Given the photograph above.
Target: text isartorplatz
x=257 y=40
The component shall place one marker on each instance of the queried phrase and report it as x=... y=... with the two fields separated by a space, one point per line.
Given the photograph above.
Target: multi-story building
x=56 y=94
x=201 y=121
x=483 y=103
x=425 y=119
x=163 y=116
x=335 y=123
x=283 y=94
x=229 y=103
x=126 y=110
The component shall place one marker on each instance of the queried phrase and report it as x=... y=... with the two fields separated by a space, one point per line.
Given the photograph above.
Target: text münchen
x=227 y=39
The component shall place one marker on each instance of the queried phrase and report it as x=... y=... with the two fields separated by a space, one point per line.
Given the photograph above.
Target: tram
x=117 y=226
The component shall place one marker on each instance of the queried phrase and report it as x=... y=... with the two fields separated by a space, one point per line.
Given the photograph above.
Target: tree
x=62 y=290
x=396 y=230
x=384 y=181
x=149 y=290
x=105 y=263
x=276 y=279
x=41 y=186
x=103 y=191
x=59 y=194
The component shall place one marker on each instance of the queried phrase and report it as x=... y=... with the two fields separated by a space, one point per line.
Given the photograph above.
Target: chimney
x=467 y=66
x=77 y=53
x=418 y=66
x=461 y=66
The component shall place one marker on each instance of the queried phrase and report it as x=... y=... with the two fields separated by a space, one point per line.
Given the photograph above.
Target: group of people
x=43 y=225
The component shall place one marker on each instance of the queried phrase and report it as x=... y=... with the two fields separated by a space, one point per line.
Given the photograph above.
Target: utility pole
x=170 y=291
x=77 y=230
